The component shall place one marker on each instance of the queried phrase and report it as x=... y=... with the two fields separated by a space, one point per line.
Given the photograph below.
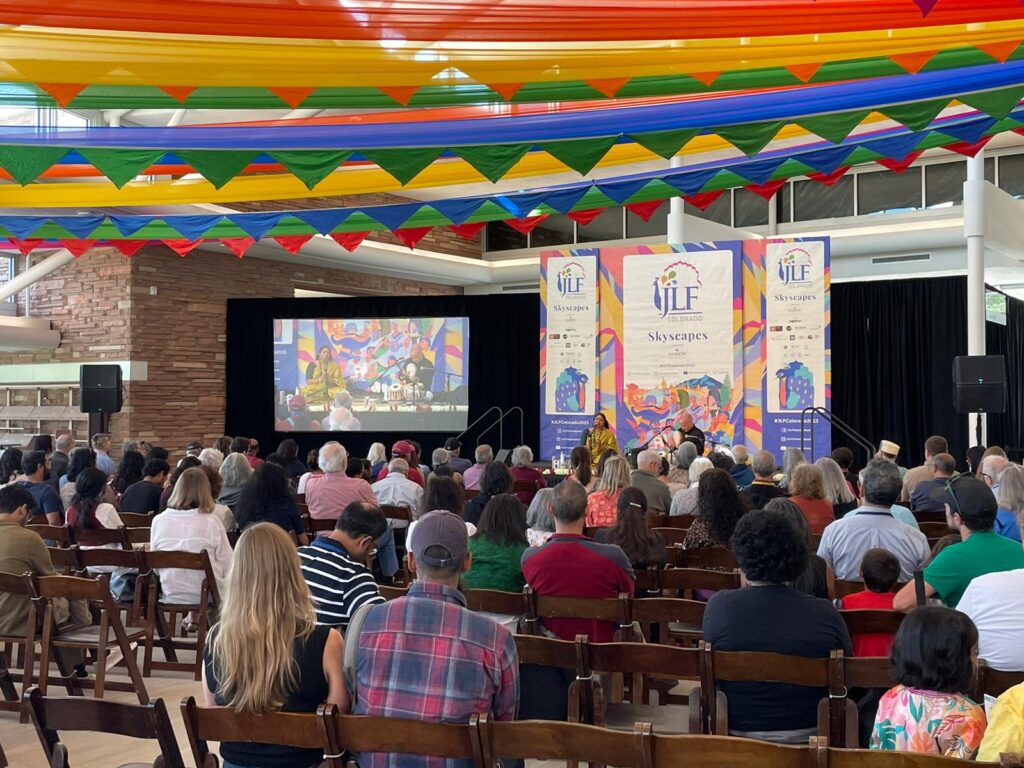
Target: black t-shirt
x=773 y=619
x=758 y=494
x=141 y=498
x=310 y=692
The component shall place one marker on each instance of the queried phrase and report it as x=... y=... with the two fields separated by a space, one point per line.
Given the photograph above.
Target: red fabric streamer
x=644 y=210
x=412 y=235
x=181 y=246
x=238 y=245
x=969 y=150
x=292 y=243
x=585 y=217
x=77 y=247
x=349 y=240
x=527 y=225
x=828 y=179
x=27 y=246
x=704 y=200
x=467 y=231
x=128 y=247
x=899 y=166
x=768 y=189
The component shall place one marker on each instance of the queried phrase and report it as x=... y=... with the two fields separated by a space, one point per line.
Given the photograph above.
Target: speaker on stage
x=980 y=382
x=100 y=389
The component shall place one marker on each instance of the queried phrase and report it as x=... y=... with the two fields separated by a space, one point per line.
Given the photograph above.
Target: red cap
x=402 y=448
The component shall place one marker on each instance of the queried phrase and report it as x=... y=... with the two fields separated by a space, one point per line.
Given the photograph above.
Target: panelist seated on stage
x=598 y=439
x=688 y=432
x=323 y=376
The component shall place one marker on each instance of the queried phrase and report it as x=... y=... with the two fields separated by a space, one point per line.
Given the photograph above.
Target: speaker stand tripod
x=99 y=423
x=977 y=427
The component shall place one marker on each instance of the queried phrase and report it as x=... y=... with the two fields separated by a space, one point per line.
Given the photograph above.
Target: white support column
x=773 y=212
x=974 y=229
x=45 y=267
x=676 y=218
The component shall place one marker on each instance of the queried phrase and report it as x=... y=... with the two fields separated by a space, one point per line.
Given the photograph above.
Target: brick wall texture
x=171 y=312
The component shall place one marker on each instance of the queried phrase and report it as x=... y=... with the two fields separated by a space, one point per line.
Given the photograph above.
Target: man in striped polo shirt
x=334 y=566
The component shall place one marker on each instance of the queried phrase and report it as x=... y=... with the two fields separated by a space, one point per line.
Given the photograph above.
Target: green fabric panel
x=834 y=127
x=218 y=166
x=310 y=166
x=493 y=161
x=916 y=116
x=997 y=104
x=26 y=163
x=121 y=165
x=752 y=137
x=403 y=164
x=665 y=143
x=579 y=154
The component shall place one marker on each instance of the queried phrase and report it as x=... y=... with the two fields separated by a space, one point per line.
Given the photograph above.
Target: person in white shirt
x=397 y=490
x=89 y=512
x=189 y=525
x=995 y=603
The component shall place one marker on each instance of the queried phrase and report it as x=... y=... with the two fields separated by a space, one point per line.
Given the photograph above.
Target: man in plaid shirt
x=425 y=656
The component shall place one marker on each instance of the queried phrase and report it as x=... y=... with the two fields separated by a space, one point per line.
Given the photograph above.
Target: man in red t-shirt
x=880 y=570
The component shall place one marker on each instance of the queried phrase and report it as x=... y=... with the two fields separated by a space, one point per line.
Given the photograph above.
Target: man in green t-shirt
x=971 y=512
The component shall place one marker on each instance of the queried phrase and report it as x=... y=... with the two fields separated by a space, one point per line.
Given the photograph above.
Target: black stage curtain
x=893 y=344
x=504 y=364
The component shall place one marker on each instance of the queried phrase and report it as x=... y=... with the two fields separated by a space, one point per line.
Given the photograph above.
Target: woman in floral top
x=601 y=509
x=934 y=659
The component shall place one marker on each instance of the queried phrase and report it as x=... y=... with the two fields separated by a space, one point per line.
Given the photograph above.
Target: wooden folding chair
x=18 y=585
x=934 y=529
x=545 y=651
x=525 y=486
x=359 y=734
x=390 y=593
x=729 y=752
x=571 y=742
x=136 y=520
x=873 y=622
x=101 y=537
x=304 y=730
x=683 y=581
x=672 y=536
x=636 y=662
x=107 y=637
x=708 y=558
x=864 y=671
x=67 y=560
x=880 y=758
x=161 y=615
x=680 y=521
x=494 y=601
x=678 y=620
x=837 y=715
x=657 y=521
x=149 y=721
x=995 y=682
x=316 y=527
x=611 y=609
x=60 y=535
x=127 y=559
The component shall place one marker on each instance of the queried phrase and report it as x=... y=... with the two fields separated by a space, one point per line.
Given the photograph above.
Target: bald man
x=645 y=477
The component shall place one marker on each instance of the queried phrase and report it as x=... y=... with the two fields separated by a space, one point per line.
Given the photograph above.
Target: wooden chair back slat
x=546 y=651
x=680 y=521
x=726 y=752
x=995 y=682
x=744 y=666
x=697 y=578
x=396 y=513
x=708 y=558
x=545 y=740
x=72 y=588
x=646 y=580
x=75 y=713
x=645 y=658
x=363 y=734
x=136 y=520
x=867 y=672
x=110 y=558
x=934 y=529
x=19 y=584
x=390 y=593
x=68 y=560
x=60 y=534
x=315 y=527
x=672 y=536
x=662 y=610
x=494 y=601
x=100 y=537
x=593 y=608
x=862 y=622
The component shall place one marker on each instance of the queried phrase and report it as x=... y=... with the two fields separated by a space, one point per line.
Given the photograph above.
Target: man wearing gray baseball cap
x=425 y=656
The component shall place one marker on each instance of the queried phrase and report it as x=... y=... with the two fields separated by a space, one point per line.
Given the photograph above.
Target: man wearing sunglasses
x=971 y=512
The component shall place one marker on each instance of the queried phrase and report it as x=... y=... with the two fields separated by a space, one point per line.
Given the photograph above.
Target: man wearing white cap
x=427 y=657
x=888 y=451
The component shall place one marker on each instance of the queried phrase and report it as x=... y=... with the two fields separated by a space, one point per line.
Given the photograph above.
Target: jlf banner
x=797 y=344
x=568 y=348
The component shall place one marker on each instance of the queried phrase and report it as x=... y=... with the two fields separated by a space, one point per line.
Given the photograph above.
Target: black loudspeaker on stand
x=100 y=389
x=980 y=385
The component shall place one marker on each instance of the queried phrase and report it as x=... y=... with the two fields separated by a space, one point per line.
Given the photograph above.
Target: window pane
x=990 y=169
x=658 y=224
x=750 y=210
x=944 y=184
x=1011 y=174
x=784 y=207
x=607 y=226
x=501 y=237
x=720 y=210
x=886 y=191
x=554 y=230
x=812 y=200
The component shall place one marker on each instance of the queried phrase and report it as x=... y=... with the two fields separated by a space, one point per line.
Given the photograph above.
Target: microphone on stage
x=585 y=436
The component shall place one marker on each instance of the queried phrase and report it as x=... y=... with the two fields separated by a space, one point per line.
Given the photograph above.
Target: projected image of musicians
x=417 y=369
x=323 y=376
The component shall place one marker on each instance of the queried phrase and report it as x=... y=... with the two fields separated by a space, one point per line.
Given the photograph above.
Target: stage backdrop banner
x=568 y=348
x=797 y=344
x=678 y=325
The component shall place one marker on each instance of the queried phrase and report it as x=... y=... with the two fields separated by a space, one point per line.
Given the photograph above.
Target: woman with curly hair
x=719 y=508
x=768 y=615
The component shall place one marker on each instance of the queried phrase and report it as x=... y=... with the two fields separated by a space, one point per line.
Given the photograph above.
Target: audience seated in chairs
x=190 y=525
x=880 y=571
x=719 y=507
x=334 y=566
x=763 y=488
x=88 y=513
x=601 y=509
x=267 y=652
x=235 y=472
x=837 y=490
x=539 y=522
x=684 y=502
x=496 y=480
x=1005 y=732
x=934 y=665
x=769 y=615
x=571 y=565
x=817 y=579
x=581 y=468
x=265 y=498
x=807 y=491
x=632 y=534
x=523 y=473
x=443 y=493
x=497 y=547
x=143 y=497
x=646 y=478
x=451 y=663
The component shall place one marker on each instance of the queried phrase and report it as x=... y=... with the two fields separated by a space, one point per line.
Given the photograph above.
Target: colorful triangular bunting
x=218 y=166
x=256 y=225
x=238 y=245
x=310 y=166
x=128 y=247
x=493 y=161
x=26 y=164
x=609 y=86
x=507 y=91
x=292 y=243
x=899 y=166
x=349 y=240
x=181 y=247
x=707 y=78
x=914 y=61
x=579 y=154
x=833 y=127
x=585 y=217
x=412 y=235
x=293 y=97
x=403 y=164
x=179 y=93
x=916 y=116
x=527 y=225
x=121 y=165
x=704 y=200
x=969 y=150
x=467 y=231
x=768 y=189
x=399 y=93
x=828 y=179
x=1000 y=51
x=804 y=72
x=644 y=210
x=665 y=143
x=25 y=247
x=750 y=138
x=63 y=93
x=998 y=103
x=77 y=247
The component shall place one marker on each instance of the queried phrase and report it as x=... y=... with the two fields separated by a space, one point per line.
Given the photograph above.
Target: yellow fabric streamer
x=56 y=55
x=350 y=181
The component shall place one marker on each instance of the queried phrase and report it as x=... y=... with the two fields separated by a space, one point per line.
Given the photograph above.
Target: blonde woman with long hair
x=1011 y=502
x=267 y=652
x=837 y=490
x=601 y=504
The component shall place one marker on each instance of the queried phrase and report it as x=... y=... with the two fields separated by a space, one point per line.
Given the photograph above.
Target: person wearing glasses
x=971 y=512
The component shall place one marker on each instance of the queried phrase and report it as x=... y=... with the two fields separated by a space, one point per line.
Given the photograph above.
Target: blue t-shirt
x=47 y=499
x=1007 y=524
